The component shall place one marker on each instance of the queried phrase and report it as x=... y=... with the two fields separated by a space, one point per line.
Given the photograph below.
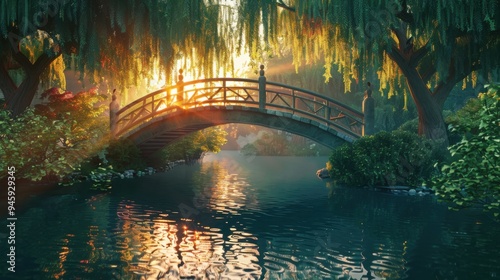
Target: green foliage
x=271 y=144
x=391 y=113
x=410 y=126
x=101 y=177
x=25 y=142
x=419 y=48
x=123 y=155
x=397 y=158
x=311 y=77
x=33 y=46
x=474 y=174
x=249 y=150
x=193 y=146
x=356 y=35
x=82 y=112
x=466 y=120
x=281 y=144
x=53 y=139
x=123 y=40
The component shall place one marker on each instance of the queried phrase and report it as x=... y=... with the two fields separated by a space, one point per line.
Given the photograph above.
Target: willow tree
x=430 y=44
x=122 y=40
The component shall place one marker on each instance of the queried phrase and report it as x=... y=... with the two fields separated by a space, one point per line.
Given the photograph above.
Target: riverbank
x=405 y=190
x=27 y=192
x=255 y=218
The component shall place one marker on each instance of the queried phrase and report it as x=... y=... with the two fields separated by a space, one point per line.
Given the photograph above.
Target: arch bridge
x=168 y=114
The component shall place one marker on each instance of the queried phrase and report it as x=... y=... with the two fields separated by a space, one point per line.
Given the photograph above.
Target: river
x=237 y=217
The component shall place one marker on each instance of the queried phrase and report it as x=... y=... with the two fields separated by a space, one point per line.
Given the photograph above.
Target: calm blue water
x=232 y=217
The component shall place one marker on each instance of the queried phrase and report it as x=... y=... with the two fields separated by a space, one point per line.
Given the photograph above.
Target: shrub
x=52 y=140
x=190 y=148
x=474 y=174
x=410 y=126
x=123 y=155
x=249 y=150
x=384 y=159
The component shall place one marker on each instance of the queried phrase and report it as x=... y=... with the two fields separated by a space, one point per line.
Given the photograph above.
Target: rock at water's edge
x=323 y=173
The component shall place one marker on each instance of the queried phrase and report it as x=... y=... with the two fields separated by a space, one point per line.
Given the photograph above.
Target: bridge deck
x=226 y=92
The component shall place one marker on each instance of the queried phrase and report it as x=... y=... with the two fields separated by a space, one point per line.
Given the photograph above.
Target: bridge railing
x=314 y=106
x=309 y=105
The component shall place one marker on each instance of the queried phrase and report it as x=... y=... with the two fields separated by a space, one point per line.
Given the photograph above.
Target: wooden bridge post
x=368 y=109
x=114 y=107
x=328 y=110
x=180 y=87
x=262 y=89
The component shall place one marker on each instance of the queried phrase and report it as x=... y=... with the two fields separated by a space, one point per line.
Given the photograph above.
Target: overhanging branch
x=282 y=4
x=395 y=54
x=400 y=35
x=428 y=73
x=43 y=61
x=20 y=58
x=443 y=89
x=405 y=15
x=417 y=55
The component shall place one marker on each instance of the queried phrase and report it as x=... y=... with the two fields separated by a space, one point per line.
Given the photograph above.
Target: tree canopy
x=428 y=45
x=473 y=176
x=360 y=35
x=120 y=40
x=431 y=45
x=53 y=139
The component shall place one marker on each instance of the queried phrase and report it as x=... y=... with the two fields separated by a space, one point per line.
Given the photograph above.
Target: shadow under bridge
x=164 y=116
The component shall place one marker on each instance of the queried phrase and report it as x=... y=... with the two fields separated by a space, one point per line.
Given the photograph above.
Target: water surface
x=236 y=217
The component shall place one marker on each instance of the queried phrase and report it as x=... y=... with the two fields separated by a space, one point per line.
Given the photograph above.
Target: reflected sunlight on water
x=264 y=218
x=156 y=244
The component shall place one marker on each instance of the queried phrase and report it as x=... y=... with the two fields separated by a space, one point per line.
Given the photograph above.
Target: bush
x=280 y=144
x=123 y=155
x=410 y=126
x=384 y=159
x=474 y=174
x=190 y=148
x=52 y=140
x=249 y=150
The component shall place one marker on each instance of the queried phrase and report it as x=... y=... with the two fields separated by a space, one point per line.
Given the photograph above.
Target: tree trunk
x=6 y=84
x=23 y=95
x=429 y=106
x=20 y=98
x=430 y=119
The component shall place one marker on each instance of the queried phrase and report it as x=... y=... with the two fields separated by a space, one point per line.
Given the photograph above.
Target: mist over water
x=237 y=217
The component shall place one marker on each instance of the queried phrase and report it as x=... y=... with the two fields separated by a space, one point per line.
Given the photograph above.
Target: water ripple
x=257 y=227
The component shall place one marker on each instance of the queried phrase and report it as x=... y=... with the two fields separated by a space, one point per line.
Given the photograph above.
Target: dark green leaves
x=474 y=175
x=398 y=158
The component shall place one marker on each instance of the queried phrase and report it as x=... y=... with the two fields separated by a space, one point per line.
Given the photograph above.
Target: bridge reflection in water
x=177 y=245
x=170 y=113
x=251 y=218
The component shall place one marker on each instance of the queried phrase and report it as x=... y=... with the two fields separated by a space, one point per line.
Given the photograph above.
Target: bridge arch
x=163 y=116
x=155 y=134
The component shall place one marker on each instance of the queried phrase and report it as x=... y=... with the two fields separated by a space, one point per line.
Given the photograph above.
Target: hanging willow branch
x=124 y=39
x=356 y=35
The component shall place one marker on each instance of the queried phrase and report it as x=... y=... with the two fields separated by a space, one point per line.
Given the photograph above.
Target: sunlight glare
x=156 y=81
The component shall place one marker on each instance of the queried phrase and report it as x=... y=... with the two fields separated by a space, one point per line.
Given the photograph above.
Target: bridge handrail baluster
x=353 y=111
x=319 y=107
